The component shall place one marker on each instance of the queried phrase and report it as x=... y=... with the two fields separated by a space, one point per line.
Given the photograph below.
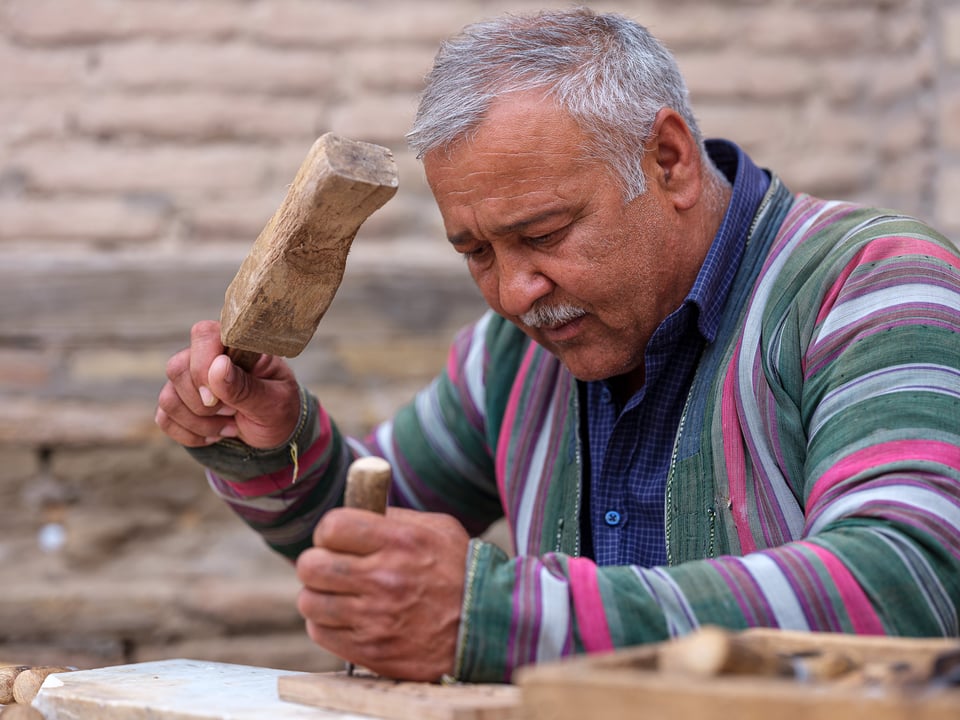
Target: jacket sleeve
x=857 y=407
x=436 y=445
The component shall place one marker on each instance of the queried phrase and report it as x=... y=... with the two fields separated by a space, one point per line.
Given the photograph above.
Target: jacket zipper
x=579 y=496
x=670 y=475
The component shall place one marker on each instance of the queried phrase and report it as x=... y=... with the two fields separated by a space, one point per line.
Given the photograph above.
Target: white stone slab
x=177 y=689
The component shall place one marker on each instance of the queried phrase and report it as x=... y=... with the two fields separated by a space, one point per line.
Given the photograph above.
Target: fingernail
x=207 y=397
x=230 y=374
x=229 y=431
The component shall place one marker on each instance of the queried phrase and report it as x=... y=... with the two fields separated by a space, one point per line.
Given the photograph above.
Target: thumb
x=227 y=382
x=265 y=406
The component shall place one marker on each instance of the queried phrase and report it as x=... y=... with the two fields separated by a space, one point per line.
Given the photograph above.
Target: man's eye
x=476 y=253
x=547 y=238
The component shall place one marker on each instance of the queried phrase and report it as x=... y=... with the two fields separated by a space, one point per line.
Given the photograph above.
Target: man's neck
x=704 y=227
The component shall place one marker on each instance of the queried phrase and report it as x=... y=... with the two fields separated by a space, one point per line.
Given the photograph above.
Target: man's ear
x=674 y=159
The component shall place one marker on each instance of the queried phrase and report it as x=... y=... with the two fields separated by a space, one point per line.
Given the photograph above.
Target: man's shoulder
x=817 y=234
x=845 y=221
x=821 y=244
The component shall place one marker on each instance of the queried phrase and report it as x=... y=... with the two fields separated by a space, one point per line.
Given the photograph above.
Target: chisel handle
x=368 y=484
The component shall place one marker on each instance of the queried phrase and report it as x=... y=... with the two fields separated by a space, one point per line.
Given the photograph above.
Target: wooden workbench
x=879 y=679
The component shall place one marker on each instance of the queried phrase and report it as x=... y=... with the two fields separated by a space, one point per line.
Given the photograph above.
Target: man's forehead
x=514 y=122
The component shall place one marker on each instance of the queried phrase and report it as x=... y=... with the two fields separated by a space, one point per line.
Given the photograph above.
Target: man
x=697 y=397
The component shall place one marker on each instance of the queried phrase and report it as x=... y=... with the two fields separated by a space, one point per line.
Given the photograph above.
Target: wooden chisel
x=368 y=485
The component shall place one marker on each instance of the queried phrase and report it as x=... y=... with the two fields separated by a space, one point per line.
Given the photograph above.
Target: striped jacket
x=814 y=483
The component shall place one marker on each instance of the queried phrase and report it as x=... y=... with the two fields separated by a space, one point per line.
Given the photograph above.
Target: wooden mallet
x=289 y=278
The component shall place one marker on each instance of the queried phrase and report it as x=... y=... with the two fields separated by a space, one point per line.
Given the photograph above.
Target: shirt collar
x=750 y=183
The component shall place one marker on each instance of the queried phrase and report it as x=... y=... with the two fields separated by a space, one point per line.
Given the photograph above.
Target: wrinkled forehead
x=528 y=122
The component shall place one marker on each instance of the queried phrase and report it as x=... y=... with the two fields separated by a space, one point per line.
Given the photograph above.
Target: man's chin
x=586 y=369
x=571 y=353
x=581 y=369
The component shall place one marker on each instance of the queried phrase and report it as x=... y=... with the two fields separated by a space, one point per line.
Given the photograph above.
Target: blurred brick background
x=144 y=143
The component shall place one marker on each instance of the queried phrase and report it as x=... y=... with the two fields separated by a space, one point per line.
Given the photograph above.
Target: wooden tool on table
x=27 y=684
x=289 y=278
x=368 y=485
x=8 y=675
x=20 y=683
x=713 y=652
x=754 y=674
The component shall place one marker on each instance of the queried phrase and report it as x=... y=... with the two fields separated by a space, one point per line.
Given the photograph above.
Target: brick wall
x=144 y=143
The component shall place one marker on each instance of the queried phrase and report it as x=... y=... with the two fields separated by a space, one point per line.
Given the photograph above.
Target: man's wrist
x=236 y=461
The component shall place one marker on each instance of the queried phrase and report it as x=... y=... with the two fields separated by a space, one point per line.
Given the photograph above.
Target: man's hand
x=207 y=398
x=385 y=591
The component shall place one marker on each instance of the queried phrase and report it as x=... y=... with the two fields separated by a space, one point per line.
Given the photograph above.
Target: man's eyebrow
x=460 y=238
x=466 y=236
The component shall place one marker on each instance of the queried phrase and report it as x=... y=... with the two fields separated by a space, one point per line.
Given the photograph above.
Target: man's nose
x=520 y=284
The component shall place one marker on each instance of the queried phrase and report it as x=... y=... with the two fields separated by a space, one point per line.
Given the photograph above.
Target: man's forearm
x=282 y=492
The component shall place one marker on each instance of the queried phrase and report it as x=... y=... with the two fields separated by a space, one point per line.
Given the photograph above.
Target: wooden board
x=627 y=684
x=393 y=700
x=171 y=690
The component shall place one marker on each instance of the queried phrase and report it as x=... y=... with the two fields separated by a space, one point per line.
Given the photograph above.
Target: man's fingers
x=236 y=387
x=328 y=610
x=205 y=345
x=199 y=401
x=336 y=640
x=208 y=398
x=265 y=402
x=183 y=424
x=226 y=382
x=353 y=628
x=352 y=530
x=362 y=532
x=323 y=570
x=179 y=433
x=181 y=383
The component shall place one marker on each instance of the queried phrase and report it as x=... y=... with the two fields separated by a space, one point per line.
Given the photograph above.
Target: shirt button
x=612 y=517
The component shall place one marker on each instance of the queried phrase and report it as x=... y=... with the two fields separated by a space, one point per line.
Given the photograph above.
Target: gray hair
x=608 y=72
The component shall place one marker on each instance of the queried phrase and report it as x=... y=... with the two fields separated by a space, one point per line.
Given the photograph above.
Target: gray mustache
x=551 y=315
